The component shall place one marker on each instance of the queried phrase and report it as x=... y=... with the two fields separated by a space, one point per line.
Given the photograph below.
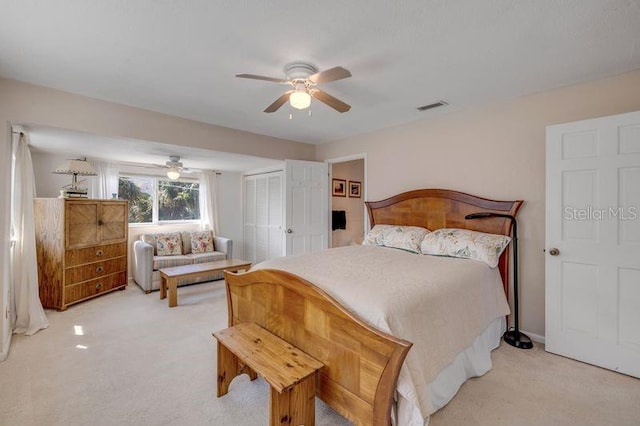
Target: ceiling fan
x=175 y=167
x=304 y=79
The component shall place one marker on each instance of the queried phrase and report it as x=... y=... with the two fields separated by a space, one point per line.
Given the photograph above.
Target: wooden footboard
x=361 y=363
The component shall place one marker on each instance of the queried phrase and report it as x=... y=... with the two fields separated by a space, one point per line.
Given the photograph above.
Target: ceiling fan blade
x=326 y=98
x=333 y=74
x=260 y=77
x=279 y=102
x=162 y=166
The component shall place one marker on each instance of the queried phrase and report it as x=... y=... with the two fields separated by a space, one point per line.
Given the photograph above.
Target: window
x=157 y=200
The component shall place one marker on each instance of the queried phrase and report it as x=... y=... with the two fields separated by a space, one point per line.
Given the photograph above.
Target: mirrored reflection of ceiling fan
x=304 y=79
x=175 y=167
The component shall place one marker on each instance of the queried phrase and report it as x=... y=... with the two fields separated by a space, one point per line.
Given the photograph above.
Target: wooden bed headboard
x=441 y=208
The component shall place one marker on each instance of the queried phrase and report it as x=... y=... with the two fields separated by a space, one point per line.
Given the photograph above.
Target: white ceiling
x=138 y=152
x=180 y=57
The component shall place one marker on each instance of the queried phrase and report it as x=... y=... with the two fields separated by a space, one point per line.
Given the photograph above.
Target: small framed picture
x=339 y=188
x=355 y=189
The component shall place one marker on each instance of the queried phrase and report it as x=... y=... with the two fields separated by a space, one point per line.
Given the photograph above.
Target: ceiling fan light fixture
x=300 y=99
x=173 y=173
x=304 y=79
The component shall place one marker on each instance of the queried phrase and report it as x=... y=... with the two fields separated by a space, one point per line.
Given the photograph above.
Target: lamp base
x=517 y=339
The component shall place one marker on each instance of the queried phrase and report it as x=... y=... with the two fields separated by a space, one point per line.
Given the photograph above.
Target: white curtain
x=28 y=316
x=209 y=200
x=105 y=184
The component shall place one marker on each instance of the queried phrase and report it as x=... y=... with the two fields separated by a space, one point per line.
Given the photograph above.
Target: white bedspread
x=440 y=304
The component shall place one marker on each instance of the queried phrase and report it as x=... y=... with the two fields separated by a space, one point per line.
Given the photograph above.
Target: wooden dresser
x=82 y=248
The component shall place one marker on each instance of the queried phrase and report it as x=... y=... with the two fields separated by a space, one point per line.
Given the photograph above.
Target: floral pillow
x=466 y=244
x=401 y=237
x=201 y=242
x=375 y=236
x=169 y=244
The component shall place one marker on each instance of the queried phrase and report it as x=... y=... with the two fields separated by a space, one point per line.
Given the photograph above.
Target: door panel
x=579 y=145
x=114 y=219
x=629 y=313
x=579 y=297
x=629 y=190
x=629 y=139
x=579 y=192
x=593 y=285
x=82 y=218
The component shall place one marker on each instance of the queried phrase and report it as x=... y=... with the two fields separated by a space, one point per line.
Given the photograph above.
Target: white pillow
x=396 y=236
x=466 y=244
x=375 y=236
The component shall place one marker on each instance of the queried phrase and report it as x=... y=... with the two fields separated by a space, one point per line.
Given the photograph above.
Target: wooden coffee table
x=169 y=276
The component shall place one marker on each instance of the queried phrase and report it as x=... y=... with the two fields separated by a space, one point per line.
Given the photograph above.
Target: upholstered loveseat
x=147 y=260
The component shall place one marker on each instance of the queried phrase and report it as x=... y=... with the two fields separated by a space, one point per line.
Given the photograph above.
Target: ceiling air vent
x=430 y=106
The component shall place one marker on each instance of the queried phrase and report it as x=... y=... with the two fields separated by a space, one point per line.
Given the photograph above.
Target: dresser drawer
x=89 y=271
x=91 y=288
x=94 y=254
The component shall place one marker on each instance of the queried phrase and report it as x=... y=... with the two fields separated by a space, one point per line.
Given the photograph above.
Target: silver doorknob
x=289 y=231
x=554 y=252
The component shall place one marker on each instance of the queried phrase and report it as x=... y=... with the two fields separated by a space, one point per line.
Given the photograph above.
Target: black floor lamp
x=512 y=336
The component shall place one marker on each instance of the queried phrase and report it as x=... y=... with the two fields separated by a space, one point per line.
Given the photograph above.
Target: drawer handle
x=99 y=253
x=98 y=286
x=99 y=269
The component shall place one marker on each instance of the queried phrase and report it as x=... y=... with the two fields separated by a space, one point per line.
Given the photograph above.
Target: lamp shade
x=75 y=167
x=173 y=173
x=300 y=99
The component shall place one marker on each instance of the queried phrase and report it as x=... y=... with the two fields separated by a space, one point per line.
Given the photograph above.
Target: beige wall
x=22 y=103
x=354 y=207
x=28 y=104
x=496 y=151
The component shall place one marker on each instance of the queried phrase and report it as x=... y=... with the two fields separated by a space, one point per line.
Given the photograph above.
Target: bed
x=321 y=304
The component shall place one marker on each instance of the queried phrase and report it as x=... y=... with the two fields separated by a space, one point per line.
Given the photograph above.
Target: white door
x=593 y=221
x=263 y=216
x=307 y=211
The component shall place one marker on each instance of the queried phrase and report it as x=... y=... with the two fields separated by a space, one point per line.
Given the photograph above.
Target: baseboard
x=5 y=351
x=535 y=337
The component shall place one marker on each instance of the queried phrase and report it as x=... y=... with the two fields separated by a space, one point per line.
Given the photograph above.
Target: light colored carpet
x=141 y=363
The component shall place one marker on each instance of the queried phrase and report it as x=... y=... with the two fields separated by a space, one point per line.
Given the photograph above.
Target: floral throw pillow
x=405 y=237
x=169 y=244
x=466 y=244
x=401 y=237
x=201 y=242
x=375 y=235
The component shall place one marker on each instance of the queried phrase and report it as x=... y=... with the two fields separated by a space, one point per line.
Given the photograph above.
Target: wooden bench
x=291 y=373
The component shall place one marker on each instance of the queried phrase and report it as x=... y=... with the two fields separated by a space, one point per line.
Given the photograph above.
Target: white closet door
x=249 y=243
x=275 y=221
x=262 y=219
x=263 y=215
x=593 y=227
